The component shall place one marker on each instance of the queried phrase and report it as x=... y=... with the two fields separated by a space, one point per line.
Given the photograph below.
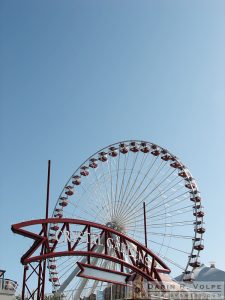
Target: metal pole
x=145 y=226
x=43 y=271
x=48 y=188
x=24 y=281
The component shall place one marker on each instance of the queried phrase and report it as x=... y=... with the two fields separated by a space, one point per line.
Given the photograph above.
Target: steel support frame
x=40 y=251
x=38 y=268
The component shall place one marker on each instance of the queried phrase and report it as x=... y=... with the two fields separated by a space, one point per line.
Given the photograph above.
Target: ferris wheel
x=110 y=187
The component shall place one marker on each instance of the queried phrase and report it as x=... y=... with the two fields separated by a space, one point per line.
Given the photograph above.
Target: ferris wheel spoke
x=133 y=185
x=125 y=196
x=168 y=216
x=165 y=190
x=180 y=208
x=156 y=197
x=111 y=186
x=117 y=177
x=173 y=262
x=152 y=190
x=65 y=270
x=160 y=167
x=128 y=199
x=154 y=159
x=131 y=215
x=88 y=199
x=108 y=199
x=96 y=209
x=88 y=212
x=122 y=183
x=171 y=200
x=171 y=211
x=161 y=182
x=160 y=219
x=174 y=224
x=64 y=261
x=122 y=188
x=129 y=179
x=183 y=222
x=171 y=235
x=160 y=194
x=166 y=246
x=100 y=190
x=171 y=214
x=98 y=206
x=167 y=234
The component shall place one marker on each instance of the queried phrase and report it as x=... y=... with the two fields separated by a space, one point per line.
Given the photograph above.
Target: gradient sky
x=79 y=75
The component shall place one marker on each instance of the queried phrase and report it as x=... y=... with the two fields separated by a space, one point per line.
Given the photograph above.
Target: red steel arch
x=42 y=249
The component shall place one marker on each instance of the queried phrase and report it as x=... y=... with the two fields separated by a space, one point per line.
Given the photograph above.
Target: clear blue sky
x=79 y=75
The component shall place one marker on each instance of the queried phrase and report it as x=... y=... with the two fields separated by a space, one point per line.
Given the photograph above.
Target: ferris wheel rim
x=175 y=158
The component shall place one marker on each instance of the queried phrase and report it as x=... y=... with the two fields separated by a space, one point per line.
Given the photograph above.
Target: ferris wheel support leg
x=80 y=289
x=96 y=282
x=24 y=281
x=83 y=283
x=68 y=280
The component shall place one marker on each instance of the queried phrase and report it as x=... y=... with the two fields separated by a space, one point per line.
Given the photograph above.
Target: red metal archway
x=143 y=262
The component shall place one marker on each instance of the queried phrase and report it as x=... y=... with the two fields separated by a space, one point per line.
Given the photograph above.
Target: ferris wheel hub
x=116 y=226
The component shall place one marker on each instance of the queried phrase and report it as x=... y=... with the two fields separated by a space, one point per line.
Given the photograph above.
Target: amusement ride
x=130 y=214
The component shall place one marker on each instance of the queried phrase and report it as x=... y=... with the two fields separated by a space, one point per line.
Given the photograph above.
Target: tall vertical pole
x=48 y=189
x=145 y=225
x=39 y=293
x=46 y=231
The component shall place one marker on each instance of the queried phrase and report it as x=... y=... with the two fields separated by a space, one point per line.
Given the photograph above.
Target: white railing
x=8 y=284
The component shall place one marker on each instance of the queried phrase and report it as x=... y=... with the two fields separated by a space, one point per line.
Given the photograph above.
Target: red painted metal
x=48 y=251
x=24 y=281
x=48 y=189
x=17 y=228
x=42 y=264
